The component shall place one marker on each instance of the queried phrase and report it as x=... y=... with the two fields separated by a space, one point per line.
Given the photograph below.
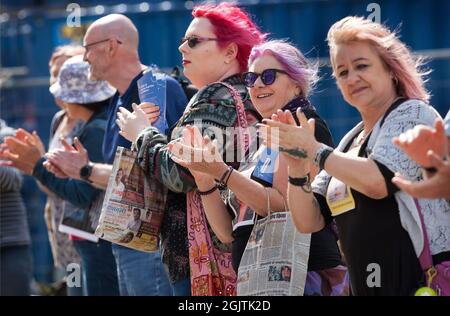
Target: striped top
x=13 y=218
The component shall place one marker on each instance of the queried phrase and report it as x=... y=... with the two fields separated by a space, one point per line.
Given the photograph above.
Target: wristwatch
x=86 y=171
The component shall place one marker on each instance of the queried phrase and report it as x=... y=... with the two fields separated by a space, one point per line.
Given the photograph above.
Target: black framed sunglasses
x=195 y=40
x=268 y=77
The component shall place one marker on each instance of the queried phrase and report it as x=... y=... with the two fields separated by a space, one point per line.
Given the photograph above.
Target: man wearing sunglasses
x=111 y=44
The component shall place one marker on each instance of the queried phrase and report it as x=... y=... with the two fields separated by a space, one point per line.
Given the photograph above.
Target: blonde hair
x=65 y=51
x=406 y=68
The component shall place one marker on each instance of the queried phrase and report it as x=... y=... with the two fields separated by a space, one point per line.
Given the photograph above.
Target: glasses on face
x=268 y=77
x=195 y=40
x=87 y=46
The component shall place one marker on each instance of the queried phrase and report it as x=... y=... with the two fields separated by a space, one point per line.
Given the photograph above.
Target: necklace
x=358 y=140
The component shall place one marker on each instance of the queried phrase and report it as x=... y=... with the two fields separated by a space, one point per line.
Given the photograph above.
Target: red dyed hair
x=232 y=25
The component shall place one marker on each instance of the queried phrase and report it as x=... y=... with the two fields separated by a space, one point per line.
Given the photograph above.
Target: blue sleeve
x=176 y=101
x=77 y=192
x=92 y=139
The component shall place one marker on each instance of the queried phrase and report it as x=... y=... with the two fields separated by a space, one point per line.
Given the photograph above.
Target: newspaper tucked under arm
x=133 y=208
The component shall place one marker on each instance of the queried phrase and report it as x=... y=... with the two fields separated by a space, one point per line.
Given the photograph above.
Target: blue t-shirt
x=176 y=103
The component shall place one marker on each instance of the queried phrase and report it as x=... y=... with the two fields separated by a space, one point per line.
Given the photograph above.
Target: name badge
x=339 y=197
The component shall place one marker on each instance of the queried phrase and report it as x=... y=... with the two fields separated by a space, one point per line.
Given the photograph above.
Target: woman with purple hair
x=280 y=78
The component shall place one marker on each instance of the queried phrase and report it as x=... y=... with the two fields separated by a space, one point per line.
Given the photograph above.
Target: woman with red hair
x=379 y=226
x=215 y=50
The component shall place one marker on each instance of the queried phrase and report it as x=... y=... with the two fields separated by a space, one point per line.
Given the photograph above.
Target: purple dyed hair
x=299 y=69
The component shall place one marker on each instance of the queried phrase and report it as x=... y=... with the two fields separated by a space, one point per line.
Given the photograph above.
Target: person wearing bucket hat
x=74 y=87
x=62 y=248
x=86 y=100
x=430 y=147
x=111 y=44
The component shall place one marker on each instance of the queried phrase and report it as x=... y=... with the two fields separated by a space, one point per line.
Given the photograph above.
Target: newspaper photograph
x=133 y=208
x=275 y=261
x=81 y=222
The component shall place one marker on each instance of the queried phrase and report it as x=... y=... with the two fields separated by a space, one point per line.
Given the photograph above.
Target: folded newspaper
x=133 y=208
x=275 y=261
x=81 y=222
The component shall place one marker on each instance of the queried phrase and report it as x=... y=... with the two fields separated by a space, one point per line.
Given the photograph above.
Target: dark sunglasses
x=268 y=77
x=195 y=40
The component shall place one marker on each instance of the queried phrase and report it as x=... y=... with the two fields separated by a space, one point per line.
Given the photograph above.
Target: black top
x=324 y=252
x=371 y=233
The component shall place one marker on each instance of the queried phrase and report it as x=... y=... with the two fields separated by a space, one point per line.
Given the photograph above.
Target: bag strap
x=269 y=209
x=425 y=258
x=393 y=106
x=242 y=119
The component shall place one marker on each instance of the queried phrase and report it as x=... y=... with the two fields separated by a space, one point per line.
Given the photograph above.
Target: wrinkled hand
x=22 y=155
x=69 y=160
x=417 y=141
x=437 y=186
x=281 y=133
x=132 y=123
x=198 y=154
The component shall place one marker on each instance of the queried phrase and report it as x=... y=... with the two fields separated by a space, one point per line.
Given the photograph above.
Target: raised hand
x=54 y=169
x=437 y=186
x=32 y=139
x=21 y=154
x=132 y=123
x=198 y=154
x=282 y=133
x=151 y=110
x=69 y=160
x=417 y=141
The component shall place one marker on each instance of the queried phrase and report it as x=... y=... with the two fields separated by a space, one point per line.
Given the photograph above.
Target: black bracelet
x=207 y=192
x=303 y=182
x=431 y=170
x=321 y=155
x=222 y=183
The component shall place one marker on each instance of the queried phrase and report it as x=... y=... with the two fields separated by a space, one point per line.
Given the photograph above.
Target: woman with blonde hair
x=379 y=225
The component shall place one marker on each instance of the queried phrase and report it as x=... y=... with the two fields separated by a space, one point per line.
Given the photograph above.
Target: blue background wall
x=29 y=30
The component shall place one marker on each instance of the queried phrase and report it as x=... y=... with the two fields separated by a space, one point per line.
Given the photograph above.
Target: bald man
x=111 y=44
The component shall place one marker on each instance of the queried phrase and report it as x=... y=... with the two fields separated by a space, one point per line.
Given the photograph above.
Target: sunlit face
x=268 y=99
x=96 y=55
x=361 y=76
x=204 y=63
